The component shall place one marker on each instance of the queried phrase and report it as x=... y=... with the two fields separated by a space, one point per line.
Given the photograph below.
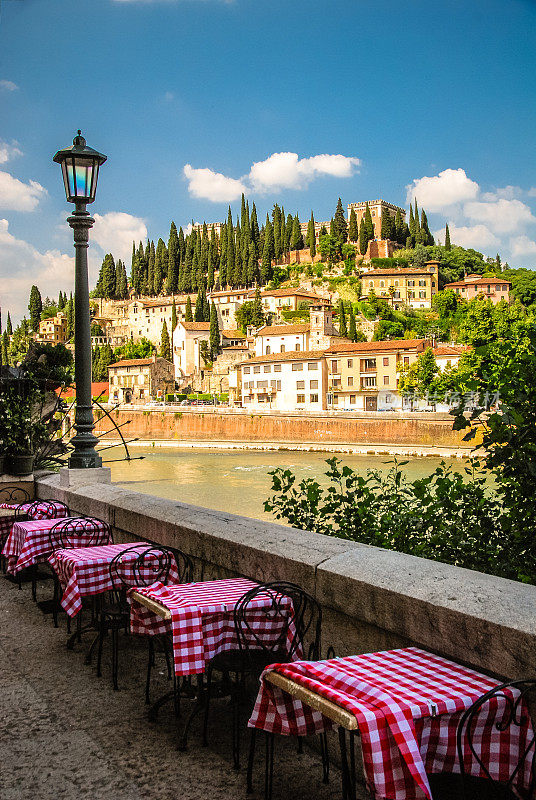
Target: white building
x=187 y=346
x=291 y=381
x=316 y=334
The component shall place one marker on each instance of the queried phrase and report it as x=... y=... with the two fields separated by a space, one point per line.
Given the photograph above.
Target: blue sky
x=193 y=100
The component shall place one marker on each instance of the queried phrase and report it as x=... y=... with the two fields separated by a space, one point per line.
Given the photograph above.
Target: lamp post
x=80 y=168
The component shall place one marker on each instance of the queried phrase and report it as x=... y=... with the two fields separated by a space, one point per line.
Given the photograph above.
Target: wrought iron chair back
x=287 y=627
x=68 y=531
x=14 y=494
x=152 y=564
x=47 y=508
x=516 y=709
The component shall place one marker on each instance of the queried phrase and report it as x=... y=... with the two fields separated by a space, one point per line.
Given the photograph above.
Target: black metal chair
x=294 y=621
x=153 y=563
x=463 y=786
x=14 y=496
x=70 y=532
x=40 y=509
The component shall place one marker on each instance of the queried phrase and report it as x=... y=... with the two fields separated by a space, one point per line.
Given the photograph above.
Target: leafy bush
x=444 y=517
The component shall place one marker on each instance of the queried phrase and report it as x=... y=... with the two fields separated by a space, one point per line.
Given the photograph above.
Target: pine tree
x=363 y=238
x=323 y=231
x=70 y=318
x=353 y=230
x=35 y=307
x=340 y=227
x=342 y=320
x=447 y=237
x=9 y=326
x=165 y=349
x=352 y=330
x=332 y=227
x=296 y=240
x=214 y=333
x=188 y=316
x=5 y=347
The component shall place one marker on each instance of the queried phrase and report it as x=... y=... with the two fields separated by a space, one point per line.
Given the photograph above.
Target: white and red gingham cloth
x=408 y=704
x=29 y=542
x=46 y=510
x=84 y=571
x=202 y=620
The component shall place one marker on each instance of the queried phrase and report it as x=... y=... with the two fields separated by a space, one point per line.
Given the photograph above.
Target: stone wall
x=372 y=599
x=375 y=429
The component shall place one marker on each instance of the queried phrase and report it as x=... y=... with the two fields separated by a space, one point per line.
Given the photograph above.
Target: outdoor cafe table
x=405 y=704
x=46 y=510
x=85 y=571
x=29 y=542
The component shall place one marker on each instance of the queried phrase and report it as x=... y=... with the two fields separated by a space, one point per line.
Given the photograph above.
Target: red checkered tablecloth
x=84 y=571
x=202 y=622
x=408 y=704
x=29 y=542
x=46 y=510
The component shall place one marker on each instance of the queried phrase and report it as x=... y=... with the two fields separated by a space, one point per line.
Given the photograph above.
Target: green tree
x=363 y=238
x=330 y=248
x=339 y=223
x=418 y=379
x=5 y=348
x=70 y=318
x=369 y=224
x=172 y=275
x=386 y=231
x=342 y=320
x=388 y=329
x=214 y=332
x=61 y=301
x=9 y=326
x=199 y=312
x=165 y=347
x=188 y=315
x=296 y=239
x=352 y=329
x=353 y=229
x=447 y=237
x=311 y=236
x=35 y=307
x=445 y=303
x=257 y=312
x=173 y=316
x=106 y=282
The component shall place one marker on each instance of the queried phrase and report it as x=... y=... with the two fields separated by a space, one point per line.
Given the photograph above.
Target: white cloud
x=532 y=191
x=114 y=233
x=22 y=265
x=505 y=216
x=8 y=86
x=278 y=171
x=210 y=185
x=505 y=193
x=477 y=236
x=19 y=196
x=8 y=151
x=522 y=246
x=439 y=192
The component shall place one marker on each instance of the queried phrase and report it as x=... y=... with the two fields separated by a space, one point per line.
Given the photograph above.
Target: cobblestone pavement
x=66 y=735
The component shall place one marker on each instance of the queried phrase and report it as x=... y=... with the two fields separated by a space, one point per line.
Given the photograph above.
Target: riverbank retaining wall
x=379 y=430
x=372 y=599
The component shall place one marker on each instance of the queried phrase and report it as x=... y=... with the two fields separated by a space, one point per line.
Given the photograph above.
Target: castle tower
x=321 y=324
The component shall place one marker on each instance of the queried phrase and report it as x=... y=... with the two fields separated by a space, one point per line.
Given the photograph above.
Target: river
x=236 y=481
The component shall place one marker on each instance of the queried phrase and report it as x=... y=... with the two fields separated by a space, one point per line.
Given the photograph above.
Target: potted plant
x=17 y=413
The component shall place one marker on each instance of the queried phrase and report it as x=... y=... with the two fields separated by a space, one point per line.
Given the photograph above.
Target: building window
x=422 y=295
x=411 y=283
x=262 y=384
x=422 y=283
x=298 y=348
x=300 y=384
x=311 y=366
x=300 y=398
x=385 y=362
x=267 y=368
x=297 y=367
x=334 y=366
x=386 y=380
x=350 y=381
x=350 y=363
x=313 y=398
x=406 y=360
x=282 y=348
x=382 y=284
x=388 y=398
x=352 y=399
x=256 y=369
x=268 y=349
x=277 y=367
x=313 y=384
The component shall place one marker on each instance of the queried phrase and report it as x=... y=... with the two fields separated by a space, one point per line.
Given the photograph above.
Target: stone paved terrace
x=64 y=733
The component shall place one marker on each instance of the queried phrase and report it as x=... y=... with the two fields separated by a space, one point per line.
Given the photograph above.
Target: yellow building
x=363 y=376
x=54 y=329
x=411 y=287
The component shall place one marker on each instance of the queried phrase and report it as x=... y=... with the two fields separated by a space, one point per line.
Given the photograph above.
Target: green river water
x=236 y=481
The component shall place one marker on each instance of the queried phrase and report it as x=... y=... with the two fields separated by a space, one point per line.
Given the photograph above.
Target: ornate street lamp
x=80 y=167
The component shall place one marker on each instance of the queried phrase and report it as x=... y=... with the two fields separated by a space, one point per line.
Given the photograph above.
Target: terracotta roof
x=368 y=347
x=450 y=350
x=97 y=388
x=233 y=334
x=283 y=330
x=288 y=293
x=475 y=282
x=230 y=292
x=132 y=362
x=401 y=271
x=294 y=355
x=195 y=326
x=236 y=347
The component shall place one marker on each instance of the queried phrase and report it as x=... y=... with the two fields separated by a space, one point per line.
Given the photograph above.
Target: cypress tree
x=296 y=241
x=188 y=316
x=352 y=330
x=310 y=239
x=363 y=238
x=172 y=276
x=165 y=349
x=151 y=270
x=5 y=346
x=267 y=253
x=61 y=301
x=411 y=221
x=122 y=288
x=254 y=228
x=323 y=231
x=342 y=320
x=289 y=225
x=231 y=253
x=70 y=318
x=9 y=326
x=257 y=316
x=399 y=228
x=35 y=306
x=134 y=269
x=339 y=223
x=214 y=333
x=426 y=235
x=353 y=230
x=369 y=224
x=447 y=237
x=332 y=227
x=173 y=316
x=253 y=267
x=206 y=309
x=198 y=312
